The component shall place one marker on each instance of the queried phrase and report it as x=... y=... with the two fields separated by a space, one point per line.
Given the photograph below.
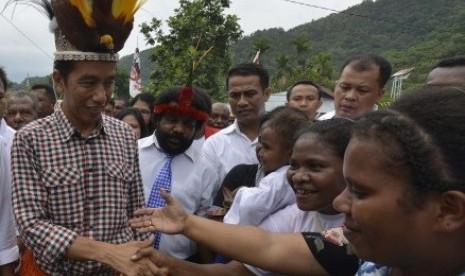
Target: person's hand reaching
x=170 y=219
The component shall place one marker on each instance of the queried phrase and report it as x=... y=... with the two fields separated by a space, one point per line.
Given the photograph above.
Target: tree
x=262 y=44
x=302 y=47
x=282 y=74
x=198 y=27
x=121 y=84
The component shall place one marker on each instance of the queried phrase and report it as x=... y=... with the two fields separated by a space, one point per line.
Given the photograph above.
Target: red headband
x=183 y=106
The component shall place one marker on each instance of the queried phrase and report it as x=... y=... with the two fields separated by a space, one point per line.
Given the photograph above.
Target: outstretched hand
x=161 y=261
x=170 y=219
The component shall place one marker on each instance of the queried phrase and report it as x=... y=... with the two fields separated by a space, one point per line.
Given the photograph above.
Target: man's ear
x=451 y=211
x=58 y=81
x=267 y=93
x=381 y=93
x=320 y=103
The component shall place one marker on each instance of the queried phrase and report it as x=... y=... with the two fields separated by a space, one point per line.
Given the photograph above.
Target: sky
x=27 y=44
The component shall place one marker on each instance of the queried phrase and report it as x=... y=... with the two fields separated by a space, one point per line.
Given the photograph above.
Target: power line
x=27 y=37
x=363 y=16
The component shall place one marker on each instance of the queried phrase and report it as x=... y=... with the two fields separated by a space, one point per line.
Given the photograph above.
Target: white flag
x=256 y=59
x=135 y=80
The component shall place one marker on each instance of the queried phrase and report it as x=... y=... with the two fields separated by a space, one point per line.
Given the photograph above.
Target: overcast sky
x=23 y=56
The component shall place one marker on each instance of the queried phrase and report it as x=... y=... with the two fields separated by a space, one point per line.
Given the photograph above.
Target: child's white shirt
x=252 y=205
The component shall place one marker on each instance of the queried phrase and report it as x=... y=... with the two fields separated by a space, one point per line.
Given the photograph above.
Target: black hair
x=450 y=62
x=285 y=122
x=3 y=78
x=64 y=67
x=335 y=133
x=362 y=63
x=146 y=98
x=149 y=99
x=25 y=94
x=48 y=90
x=304 y=82
x=140 y=120
x=250 y=69
x=199 y=101
x=423 y=133
x=111 y=101
x=202 y=93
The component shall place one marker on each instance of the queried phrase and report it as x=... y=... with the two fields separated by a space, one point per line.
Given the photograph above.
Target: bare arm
x=284 y=253
x=7 y=269
x=116 y=256
x=172 y=266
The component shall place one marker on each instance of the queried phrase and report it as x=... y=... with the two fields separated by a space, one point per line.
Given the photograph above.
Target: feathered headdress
x=88 y=29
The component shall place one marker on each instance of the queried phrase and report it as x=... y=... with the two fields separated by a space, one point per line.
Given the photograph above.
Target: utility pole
x=396 y=89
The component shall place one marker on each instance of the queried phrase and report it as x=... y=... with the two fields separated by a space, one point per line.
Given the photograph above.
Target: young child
x=252 y=204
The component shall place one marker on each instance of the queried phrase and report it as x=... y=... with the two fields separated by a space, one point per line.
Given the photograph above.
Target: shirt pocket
x=118 y=186
x=66 y=196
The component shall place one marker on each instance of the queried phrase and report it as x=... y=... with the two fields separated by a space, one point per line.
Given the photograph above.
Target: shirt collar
x=152 y=141
x=67 y=130
x=234 y=128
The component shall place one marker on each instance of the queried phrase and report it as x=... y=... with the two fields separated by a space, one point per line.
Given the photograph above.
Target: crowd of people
x=178 y=185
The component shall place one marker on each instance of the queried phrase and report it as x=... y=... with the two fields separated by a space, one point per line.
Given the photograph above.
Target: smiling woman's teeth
x=303 y=192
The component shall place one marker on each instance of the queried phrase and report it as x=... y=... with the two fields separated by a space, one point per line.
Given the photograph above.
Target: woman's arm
x=283 y=253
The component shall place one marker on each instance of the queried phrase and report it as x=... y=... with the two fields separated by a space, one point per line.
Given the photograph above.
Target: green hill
x=410 y=33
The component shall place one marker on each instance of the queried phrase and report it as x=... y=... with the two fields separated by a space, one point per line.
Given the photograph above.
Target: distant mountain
x=410 y=33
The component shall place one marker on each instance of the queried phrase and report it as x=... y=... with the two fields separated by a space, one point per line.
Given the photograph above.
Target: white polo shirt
x=8 y=249
x=229 y=147
x=8 y=134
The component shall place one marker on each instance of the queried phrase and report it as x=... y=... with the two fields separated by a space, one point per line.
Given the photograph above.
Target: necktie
x=163 y=180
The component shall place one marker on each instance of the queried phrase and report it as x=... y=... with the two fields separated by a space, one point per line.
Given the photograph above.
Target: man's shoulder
x=145 y=142
x=35 y=127
x=115 y=126
x=7 y=132
x=326 y=116
x=223 y=135
x=108 y=120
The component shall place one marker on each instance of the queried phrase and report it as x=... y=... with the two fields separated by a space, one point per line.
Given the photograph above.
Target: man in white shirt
x=360 y=86
x=193 y=182
x=247 y=86
x=6 y=131
x=9 y=252
x=448 y=72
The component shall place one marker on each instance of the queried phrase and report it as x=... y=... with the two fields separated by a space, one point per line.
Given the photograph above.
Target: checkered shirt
x=66 y=186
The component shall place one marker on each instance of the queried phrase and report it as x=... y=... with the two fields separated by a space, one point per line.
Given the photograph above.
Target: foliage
x=196 y=27
x=414 y=33
x=121 y=84
x=261 y=44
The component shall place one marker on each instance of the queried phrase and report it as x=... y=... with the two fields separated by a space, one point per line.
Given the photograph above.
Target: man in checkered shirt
x=76 y=178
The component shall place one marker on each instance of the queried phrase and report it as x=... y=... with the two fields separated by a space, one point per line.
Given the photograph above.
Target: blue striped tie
x=162 y=181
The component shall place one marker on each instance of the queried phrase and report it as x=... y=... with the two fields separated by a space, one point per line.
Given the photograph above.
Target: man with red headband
x=168 y=160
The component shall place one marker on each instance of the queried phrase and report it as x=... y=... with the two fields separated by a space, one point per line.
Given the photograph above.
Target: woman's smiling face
x=315 y=174
x=380 y=215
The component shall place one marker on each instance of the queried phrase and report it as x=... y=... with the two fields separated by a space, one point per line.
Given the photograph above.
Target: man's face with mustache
x=175 y=133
